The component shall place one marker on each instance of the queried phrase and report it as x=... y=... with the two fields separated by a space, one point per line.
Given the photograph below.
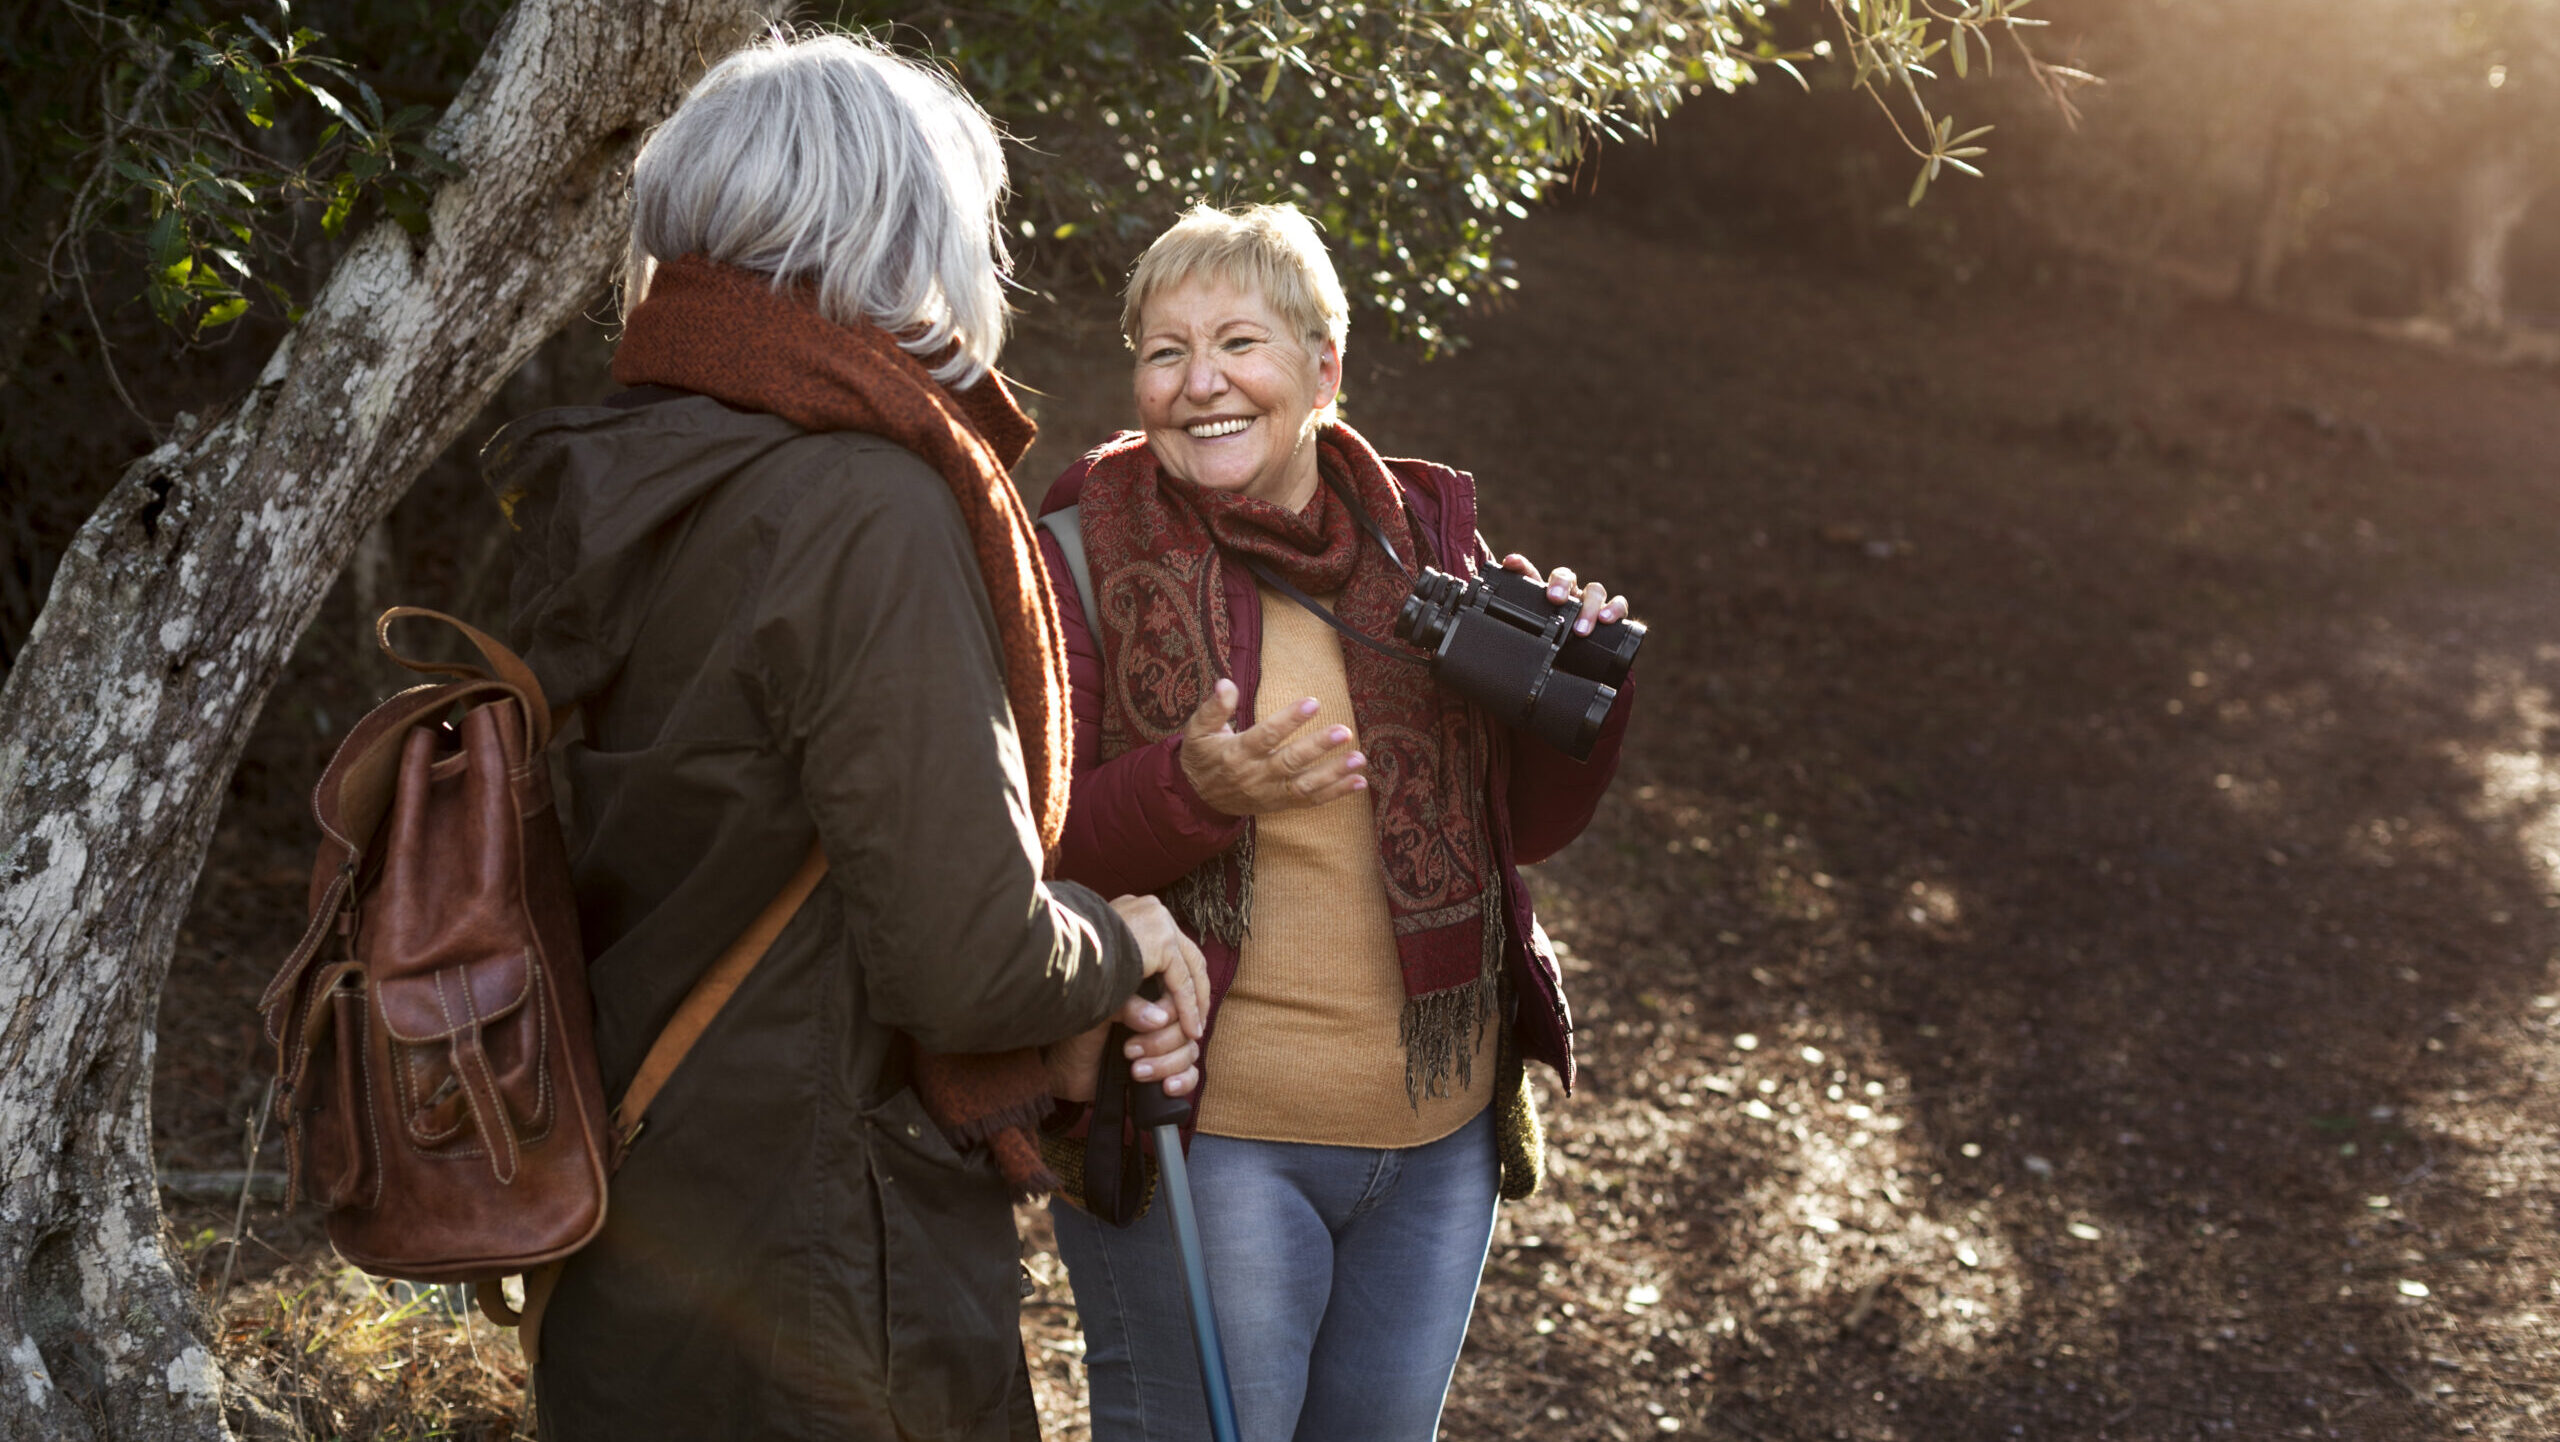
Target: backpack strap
x=693 y=1017
x=1066 y=526
x=695 y=1013
x=505 y=667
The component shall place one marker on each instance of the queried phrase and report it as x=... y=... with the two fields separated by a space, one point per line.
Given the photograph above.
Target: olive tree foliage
x=192 y=149
x=188 y=163
x=175 y=178
x=207 y=155
x=1412 y=133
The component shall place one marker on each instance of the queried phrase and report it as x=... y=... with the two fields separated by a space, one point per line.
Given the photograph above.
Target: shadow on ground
x=2071 y=954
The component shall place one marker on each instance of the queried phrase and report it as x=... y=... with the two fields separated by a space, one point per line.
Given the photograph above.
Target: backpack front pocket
x=467 y=1058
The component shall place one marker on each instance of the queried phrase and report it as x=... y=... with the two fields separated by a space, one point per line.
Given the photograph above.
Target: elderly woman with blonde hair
x=786 y=582
x=1339 y=833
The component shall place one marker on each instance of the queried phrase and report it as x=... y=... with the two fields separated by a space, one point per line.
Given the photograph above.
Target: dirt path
x=2071 y=955
x=2112 y=773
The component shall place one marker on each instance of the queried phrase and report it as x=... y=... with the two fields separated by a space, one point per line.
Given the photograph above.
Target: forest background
x=2072 y=954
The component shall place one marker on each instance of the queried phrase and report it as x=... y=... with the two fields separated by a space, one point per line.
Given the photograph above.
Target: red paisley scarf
x=1158 y=547
x=727 y=333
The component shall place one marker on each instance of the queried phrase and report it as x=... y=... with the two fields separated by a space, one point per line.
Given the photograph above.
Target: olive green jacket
x=775 y=636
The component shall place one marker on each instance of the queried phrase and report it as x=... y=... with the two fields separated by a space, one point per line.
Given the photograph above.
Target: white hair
x=828 y=161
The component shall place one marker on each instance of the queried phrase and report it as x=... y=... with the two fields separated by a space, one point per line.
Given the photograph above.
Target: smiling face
x=1228 y=394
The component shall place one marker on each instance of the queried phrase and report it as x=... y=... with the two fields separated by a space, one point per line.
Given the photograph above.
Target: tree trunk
x=2491 y=200
x=2273 y=234
x=170 y=618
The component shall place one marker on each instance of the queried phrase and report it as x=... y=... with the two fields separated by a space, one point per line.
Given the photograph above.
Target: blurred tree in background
x=2373 y=157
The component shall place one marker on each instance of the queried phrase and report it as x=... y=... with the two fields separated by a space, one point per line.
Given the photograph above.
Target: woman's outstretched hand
x=1164 y=1041
x=1283 y=763
x=1599 y=608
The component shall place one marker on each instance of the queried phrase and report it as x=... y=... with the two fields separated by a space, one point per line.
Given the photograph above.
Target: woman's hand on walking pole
x=1164 y=1040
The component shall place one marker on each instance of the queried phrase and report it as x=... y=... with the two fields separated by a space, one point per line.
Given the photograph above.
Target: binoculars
x=1499 y=642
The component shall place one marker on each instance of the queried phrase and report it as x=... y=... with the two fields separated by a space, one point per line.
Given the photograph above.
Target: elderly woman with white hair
x=786 y=582
x=1340 y=833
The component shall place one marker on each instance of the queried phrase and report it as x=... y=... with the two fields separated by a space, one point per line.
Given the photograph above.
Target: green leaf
x=404 y=207
x=342 y=203
x=164 y=243
x=223 y=313
x=331 y=104
x=1919 y=188
x=260 y=104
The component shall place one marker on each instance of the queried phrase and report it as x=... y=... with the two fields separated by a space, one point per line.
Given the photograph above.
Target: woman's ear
x=1328 y=373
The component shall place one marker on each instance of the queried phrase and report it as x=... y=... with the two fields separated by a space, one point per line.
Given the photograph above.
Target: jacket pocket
x=951 y=1262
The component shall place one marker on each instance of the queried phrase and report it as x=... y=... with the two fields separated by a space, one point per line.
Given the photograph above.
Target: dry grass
x=320 y=1347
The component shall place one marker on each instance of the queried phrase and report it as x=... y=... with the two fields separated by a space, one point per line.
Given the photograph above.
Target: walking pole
x=1164 y=1115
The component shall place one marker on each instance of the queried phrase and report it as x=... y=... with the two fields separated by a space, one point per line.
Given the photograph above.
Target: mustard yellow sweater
x=1306 y=1048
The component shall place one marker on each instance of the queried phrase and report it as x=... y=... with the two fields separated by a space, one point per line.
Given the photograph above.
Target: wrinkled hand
x=1165 y=1036
x=1599 y=608
x=1283 y=763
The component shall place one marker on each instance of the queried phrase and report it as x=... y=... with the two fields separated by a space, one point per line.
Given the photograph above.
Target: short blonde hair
x=1267 y=250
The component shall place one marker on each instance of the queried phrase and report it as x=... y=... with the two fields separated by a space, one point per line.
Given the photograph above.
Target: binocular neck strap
x=1273 y=579
x=1377 y=533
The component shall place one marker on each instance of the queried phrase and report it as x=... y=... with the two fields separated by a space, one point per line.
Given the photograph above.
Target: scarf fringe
x=1019 y=1160
x=1442 y=1032
x=1216 y=899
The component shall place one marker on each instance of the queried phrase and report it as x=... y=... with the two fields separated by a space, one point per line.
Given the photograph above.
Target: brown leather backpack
x=436 y=1072
x=436 y=1069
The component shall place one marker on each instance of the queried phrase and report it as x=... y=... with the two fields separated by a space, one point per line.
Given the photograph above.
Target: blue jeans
x=1343 y=1278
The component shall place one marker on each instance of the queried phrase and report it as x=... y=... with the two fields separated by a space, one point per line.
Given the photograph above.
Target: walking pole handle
x=1148 y=1104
